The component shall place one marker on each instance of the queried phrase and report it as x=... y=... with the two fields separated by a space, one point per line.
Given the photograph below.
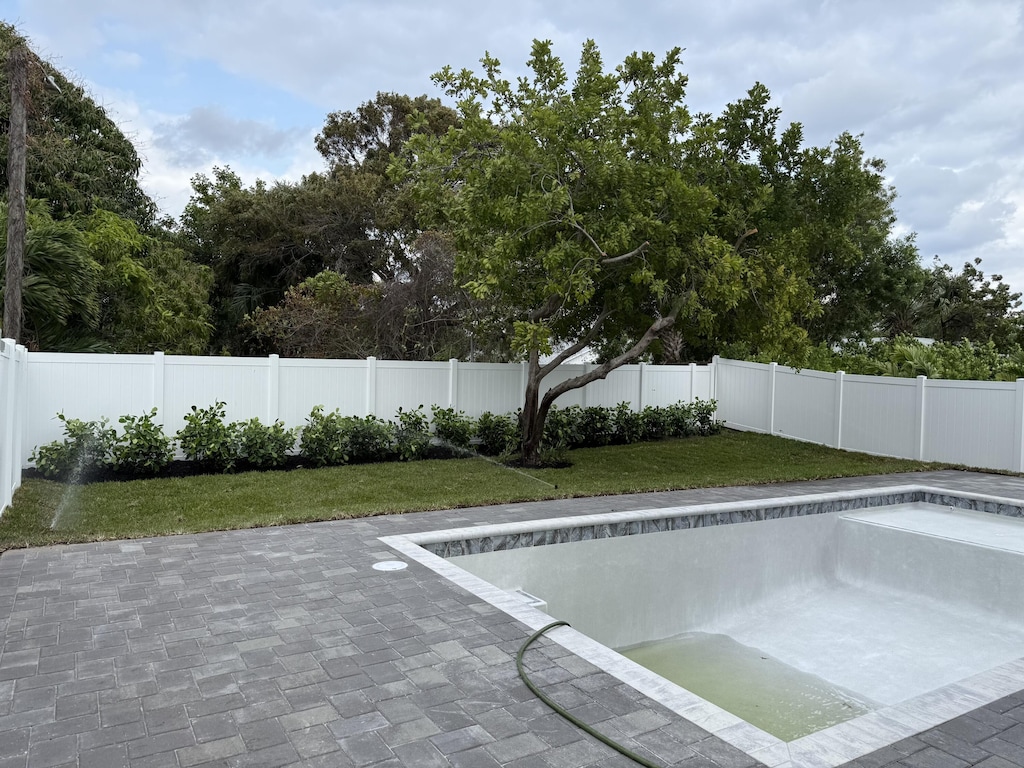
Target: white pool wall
x=967 y=559
x=629 y=590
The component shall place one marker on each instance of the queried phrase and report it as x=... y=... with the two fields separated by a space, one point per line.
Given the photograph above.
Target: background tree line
x=489 y=230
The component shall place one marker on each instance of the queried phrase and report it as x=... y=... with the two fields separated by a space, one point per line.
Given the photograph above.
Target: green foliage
x=595 y=426
x=207 y=439
x=142 y=449
x=369 y=439
x=907 y=357
x=451 y=428
x=78 y=159
x=627 y=425
x=85 y=449
x=59 y=287
x=263 y=446
x=412 y=436
x=498 y=435
x=323 y=440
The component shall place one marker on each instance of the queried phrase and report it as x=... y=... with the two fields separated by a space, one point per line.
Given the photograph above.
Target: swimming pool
x=902 y=602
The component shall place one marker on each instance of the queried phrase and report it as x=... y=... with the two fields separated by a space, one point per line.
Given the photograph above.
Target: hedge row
x=141 y=449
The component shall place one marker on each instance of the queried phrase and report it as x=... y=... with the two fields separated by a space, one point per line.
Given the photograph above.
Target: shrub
x=85 y=449
x=143 y=448
x=369 y=439
x=626 y=424
x=702 y=414
x=412 y=437
x=653 y=423
x=594 y=426
x=263 y=446
x=324 y=439
x=451 y=428
x=561 y=428
x=205 y=438
x=497 y=434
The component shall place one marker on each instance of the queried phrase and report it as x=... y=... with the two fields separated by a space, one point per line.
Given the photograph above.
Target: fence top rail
x=808 y=373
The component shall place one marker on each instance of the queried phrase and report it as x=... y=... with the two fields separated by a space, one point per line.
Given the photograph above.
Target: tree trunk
x=535 y=408
x=15 y=195
x=531 y=423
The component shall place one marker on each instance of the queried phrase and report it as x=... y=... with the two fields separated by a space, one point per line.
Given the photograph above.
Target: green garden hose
x=571 y=718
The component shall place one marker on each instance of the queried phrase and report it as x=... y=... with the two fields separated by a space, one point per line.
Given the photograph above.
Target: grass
x=146 y=508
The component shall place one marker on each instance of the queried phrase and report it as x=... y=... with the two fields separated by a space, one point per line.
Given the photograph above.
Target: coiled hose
x=571 y=718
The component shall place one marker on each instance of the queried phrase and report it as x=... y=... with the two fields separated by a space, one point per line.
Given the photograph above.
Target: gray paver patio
x=283 y=647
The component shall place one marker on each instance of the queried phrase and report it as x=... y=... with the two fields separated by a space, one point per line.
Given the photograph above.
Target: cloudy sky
x=936 y=87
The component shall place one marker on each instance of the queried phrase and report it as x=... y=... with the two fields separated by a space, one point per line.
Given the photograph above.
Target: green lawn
x=156 y=507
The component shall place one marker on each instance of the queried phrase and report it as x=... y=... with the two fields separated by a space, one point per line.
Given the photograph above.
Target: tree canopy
x=78 y=159
x=593 y=213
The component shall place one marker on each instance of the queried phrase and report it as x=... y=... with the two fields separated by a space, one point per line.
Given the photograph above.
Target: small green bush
x=561 y=428
x=205 y=438
x=498 y=435
x=412 y=437
x=85 y=449
x=451 y=428
x=324 y=439
x=654 y=423
x=263 y=446
x=595 y=427
x=369 y=439
x=143 y=448
x=702 y=415
x=626 y=424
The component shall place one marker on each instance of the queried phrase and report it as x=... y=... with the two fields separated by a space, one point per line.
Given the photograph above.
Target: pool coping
x=827 y=748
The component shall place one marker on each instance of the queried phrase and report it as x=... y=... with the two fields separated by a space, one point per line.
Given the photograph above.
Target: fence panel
x=494 y=387
x=86 y=387
x=407 y=385
x=334 y=384
x=805 y=405
x=880 y=415
x=970 y=422
x=743 y=392
x=241 y=383
x=621 y=385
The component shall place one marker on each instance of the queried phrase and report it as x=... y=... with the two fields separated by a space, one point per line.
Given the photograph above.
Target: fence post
x=922 y=382
x=693 y=380
x=1018 y=429
x=273 y=388
x=640 y=387
x=453 y=383
x=837 y=430
x=524 y=373
x=583 y=390
x=772 y=368
x=158 y=383
x=21 y=388
x=713 y=381
x=371 y=386
x=8 y=378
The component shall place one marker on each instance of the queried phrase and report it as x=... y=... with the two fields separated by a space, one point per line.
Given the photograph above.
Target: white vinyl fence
x=977 y=423
x=91 y=387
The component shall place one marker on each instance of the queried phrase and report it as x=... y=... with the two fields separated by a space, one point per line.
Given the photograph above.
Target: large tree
x=576 y=214
x=78 y=160
x=352 y=219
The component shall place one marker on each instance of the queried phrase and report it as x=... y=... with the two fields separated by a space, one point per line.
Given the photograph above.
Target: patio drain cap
x=390 y=565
